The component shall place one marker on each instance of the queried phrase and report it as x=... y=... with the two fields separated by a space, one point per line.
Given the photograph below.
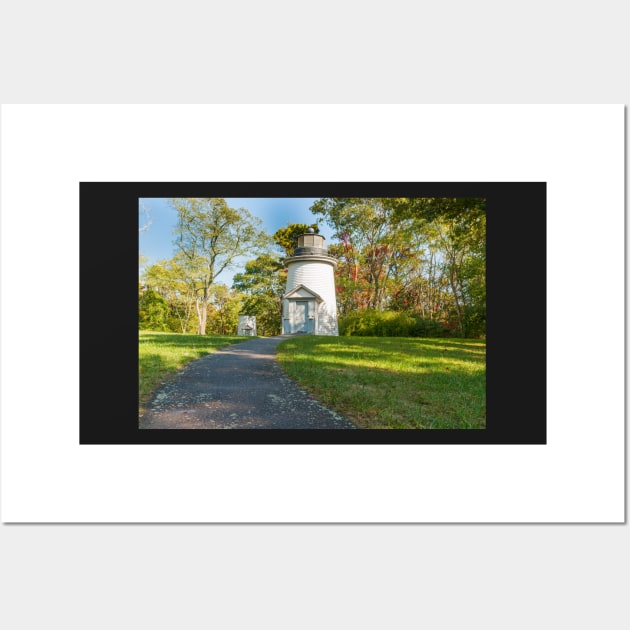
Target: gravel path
x=238 y=387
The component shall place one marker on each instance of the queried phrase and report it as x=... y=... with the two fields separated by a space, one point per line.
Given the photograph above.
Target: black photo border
x=516 y=312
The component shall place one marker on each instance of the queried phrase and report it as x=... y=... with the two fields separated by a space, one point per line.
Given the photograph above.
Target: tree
x=225 y=306
x=425 y=255
x=431 y=208
x=286 y=238
x=263 y=282
x=152 y=311
x=210 y=236
x=453 y=230
x=168 y=278
x=372 y=241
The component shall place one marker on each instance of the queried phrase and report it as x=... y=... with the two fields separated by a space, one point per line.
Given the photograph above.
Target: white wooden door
x=300 y=316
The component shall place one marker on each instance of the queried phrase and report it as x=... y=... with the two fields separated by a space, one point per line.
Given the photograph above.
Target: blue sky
x=156 y=242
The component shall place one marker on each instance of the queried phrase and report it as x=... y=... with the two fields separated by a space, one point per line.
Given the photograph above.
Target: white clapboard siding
x=317 y=274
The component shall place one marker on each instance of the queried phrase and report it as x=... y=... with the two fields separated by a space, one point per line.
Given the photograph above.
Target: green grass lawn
x=392 y=382
x=162 y=354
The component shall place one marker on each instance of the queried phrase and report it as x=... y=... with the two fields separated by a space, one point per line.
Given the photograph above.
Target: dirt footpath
x=237 y=387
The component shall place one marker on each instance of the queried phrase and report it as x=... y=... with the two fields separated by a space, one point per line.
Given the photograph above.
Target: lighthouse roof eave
x=292 y=293
x=312 y=257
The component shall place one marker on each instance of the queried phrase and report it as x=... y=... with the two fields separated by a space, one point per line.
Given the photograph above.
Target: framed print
x=515 y=215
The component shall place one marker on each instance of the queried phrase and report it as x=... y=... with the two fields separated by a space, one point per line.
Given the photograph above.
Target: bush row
x=370 y=323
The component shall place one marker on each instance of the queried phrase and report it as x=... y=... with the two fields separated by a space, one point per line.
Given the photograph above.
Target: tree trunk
x=457 y=304
x=202 y=316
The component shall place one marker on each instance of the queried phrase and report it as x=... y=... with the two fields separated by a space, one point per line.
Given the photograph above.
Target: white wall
x=246 y=320
x=318 y=276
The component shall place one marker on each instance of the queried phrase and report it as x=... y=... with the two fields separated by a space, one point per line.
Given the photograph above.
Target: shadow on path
x=237 y=387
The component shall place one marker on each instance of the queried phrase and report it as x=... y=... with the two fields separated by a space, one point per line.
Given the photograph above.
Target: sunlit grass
x=397 y=383
x=163 y=354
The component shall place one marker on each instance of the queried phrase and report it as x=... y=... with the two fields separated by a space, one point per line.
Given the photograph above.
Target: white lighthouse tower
x=309 y=304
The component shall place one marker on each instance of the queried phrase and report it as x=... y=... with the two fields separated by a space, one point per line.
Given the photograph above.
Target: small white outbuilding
x=246 y=326
x=309 y=304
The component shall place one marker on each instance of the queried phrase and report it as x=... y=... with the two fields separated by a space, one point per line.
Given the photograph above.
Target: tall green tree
x=460 y=209
x=372 y=241
x=152 y=311
x=286 y=237
x=453 y=231
x=169 y=279
x=263 y=282
x=225 y=306
x=425 y=255
x=210 y=236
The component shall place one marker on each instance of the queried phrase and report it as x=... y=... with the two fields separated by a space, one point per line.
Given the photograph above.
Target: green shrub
x=371 y=323
x=429 y=328
x=153 y=312
x=475 y=321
